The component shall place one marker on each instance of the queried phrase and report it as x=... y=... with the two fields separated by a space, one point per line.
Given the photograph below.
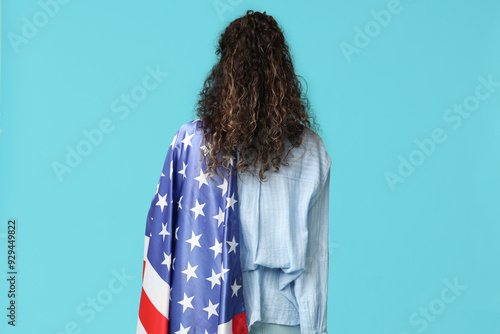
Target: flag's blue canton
x=194 y=237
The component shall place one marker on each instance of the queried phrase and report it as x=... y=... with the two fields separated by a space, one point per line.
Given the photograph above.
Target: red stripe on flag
x=240 y=324
x=153 y=321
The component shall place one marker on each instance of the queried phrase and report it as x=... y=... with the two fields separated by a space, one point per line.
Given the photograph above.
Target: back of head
x=252 y=99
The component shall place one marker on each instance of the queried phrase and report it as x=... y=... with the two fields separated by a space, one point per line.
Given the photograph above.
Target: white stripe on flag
x=140 y=328
x=146 y=245
x=226 y=328
x=157 y=289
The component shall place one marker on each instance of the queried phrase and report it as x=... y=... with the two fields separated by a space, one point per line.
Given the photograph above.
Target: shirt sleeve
x=311 y=287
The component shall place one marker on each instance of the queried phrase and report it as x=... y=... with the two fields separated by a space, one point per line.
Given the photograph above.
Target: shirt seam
x=294 y=178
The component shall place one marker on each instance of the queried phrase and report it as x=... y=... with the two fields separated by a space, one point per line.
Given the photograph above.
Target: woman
x=271 y=273
x=252 y=103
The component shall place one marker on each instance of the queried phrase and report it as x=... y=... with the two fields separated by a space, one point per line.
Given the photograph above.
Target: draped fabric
x=192 y=279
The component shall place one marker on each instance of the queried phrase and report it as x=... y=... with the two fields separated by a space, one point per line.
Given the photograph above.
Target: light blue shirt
x=284 y=239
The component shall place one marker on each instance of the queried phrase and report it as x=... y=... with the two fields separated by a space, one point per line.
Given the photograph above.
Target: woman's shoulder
x=315 y=155
x=188 y=134
x=191 y=126
x=314 y=143
x=191 y=129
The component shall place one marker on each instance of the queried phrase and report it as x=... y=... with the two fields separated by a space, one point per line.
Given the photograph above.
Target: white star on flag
x=173 y=141
x=164 y=231
x=235 y=287
x=223 y=186
x=167 y=260
x=231 y=201
x=217 y=248
x=187 y=140
x=211 y=309
x=215 y=278
x=204 y=150
x=233 y=245
x=202 y=179
x=190 y=272
x=179 y=203
x=183 y=170
x=219 y=217
x=186 y=302
x=223 y=270
x=194 y=241
x=182 y=330
x=198 y=209
x=162 y=201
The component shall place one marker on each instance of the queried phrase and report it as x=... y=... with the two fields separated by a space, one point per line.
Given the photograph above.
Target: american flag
x=192 y=281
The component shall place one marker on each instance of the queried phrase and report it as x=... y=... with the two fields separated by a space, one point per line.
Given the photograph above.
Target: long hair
x=252 y=100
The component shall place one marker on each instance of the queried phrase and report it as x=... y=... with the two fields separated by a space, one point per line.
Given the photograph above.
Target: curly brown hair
x=252 y=100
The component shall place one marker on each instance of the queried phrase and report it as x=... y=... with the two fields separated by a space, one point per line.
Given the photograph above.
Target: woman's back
x=284 y=239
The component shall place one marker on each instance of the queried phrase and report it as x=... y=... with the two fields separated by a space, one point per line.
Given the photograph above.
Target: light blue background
x=392 y=250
